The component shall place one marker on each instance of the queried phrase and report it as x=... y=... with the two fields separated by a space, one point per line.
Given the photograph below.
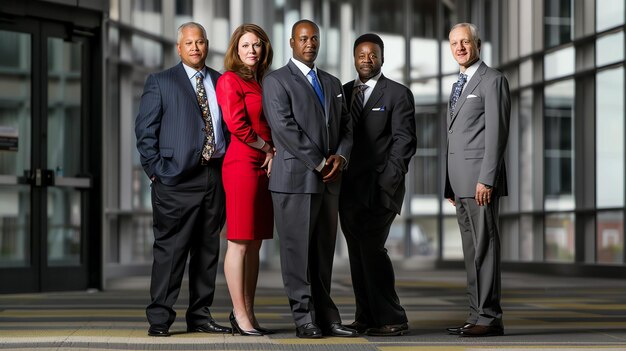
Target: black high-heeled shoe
x=264 y=331
x=236 y=328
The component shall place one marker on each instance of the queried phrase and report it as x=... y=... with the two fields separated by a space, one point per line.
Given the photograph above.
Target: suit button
x=450 y=131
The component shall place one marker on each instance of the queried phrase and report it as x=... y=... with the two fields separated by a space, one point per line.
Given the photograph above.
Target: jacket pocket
x=474 y=153
x=166 y=152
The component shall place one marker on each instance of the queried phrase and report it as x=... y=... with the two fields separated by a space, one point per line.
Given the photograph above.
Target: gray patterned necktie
x=209 y=143
x=457 y=88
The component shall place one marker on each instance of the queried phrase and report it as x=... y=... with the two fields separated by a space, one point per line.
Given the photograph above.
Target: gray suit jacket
x=384 y=144
x=304 y=132
x=477 y=135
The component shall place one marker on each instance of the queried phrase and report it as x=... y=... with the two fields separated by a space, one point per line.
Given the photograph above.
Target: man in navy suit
x=372 y=191
x=180 y=138
x=312 y=133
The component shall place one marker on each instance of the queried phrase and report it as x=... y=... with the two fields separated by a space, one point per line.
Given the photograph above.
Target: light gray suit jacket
x=477 y=135
x=304 y=132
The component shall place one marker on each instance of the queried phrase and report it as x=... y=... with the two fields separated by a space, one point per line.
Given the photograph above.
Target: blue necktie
x=316 y=86
x=457 y=88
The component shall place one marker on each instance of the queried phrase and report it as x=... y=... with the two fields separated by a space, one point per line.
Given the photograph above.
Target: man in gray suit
x=181 y=140
x=312 y=132
x=478 y=128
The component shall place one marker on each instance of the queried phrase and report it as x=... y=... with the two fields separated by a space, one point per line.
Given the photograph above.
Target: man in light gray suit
x=478 y=127
x=312 y=132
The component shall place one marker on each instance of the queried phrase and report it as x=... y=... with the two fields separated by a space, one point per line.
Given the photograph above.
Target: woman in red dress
x=247 y=165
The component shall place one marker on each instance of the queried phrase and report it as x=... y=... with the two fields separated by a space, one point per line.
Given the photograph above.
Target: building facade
x=76 y=203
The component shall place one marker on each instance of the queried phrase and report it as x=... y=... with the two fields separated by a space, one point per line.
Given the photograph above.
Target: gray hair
x=190 y=25
x=473 y=31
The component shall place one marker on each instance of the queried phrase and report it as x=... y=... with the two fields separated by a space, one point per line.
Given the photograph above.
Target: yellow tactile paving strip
x=539 y=316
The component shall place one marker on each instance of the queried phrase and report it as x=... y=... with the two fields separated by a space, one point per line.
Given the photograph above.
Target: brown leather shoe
x=482 y=330
x=388 y=330
x=457 y=330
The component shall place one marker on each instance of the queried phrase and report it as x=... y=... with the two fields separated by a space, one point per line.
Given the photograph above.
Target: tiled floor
x=541 y=313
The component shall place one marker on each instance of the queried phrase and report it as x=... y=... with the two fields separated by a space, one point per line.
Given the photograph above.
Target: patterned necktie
x=209 y=144
x=457 y=88
x=316 y=86
x=357 y=100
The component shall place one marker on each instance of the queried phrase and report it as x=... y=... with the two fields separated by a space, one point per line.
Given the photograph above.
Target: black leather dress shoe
x=210 y=327
x=360 y=327
x=336 y=329
x=159 y=330
x=308 y=331
x=388 y=330
x=482 y=330
x=457 y=330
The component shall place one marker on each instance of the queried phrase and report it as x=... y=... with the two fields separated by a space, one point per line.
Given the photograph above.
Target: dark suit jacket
x=477 y=135
x=304 y=132
x=169 y=125
x=384 y=143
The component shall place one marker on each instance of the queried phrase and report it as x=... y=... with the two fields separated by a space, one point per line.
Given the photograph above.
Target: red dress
x=249 y=212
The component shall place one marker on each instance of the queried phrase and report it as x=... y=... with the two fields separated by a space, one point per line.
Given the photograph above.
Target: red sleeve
x=231 y=98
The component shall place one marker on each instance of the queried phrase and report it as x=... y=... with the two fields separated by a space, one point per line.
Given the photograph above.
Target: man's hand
x=483 y=194
x=332 y=169
x=452 y=202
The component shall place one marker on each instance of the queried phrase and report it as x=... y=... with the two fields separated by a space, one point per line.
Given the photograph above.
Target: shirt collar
x=469 y=72
x=304 y=68
x=371 y=83
x=191 y=72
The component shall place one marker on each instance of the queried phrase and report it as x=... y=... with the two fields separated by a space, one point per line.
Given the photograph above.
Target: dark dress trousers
x=477 y=136
x=305 y=208
x=187 y=197
x=372 y=193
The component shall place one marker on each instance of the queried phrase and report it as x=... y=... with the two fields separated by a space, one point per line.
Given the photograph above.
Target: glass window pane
x=559 y=236
x=526 y=242
x=526 y=72
x=424 y=163
x=395 y=57
x=609 y=13
x=14 y=226
x=610 y=237
x=425 y=91
x=147 y=15
x=559 y=63
x=610 y=138
x=147 y=52
x=424 y=60
x=64 y=226
x=559 y=146
x=610 y=49
x=389 y=17
x=558 y=22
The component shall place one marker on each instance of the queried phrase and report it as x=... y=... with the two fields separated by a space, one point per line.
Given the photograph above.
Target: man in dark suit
x=180 y=138
x=312 y=132
x=372 y=191
x=478 y=128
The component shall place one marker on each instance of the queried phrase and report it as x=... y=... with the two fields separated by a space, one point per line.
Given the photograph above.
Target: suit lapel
x=304 y=83
x=469 y=88
x=185 y=84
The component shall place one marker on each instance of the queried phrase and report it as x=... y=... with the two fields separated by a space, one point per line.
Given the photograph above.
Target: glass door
x=44 y=177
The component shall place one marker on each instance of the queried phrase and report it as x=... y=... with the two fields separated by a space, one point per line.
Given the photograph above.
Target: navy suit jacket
x=169 y=125
x=304 y=132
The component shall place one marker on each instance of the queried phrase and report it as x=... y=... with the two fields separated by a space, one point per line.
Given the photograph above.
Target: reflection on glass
x=610 y=49
x=64 y=151
x=147 y=15
x=64 y=227
x=147 y=52
x=452 y=245
x=559 y=237
x=610 y=237
x=14 y=226
x=609 y=13
x=610 y=138
x=559 y=146
x=558 y=22
x=526 y=150
x=559 y=63
x=15 y=147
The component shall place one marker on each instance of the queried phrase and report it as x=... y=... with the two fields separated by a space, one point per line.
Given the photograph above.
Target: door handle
x=39 y=177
